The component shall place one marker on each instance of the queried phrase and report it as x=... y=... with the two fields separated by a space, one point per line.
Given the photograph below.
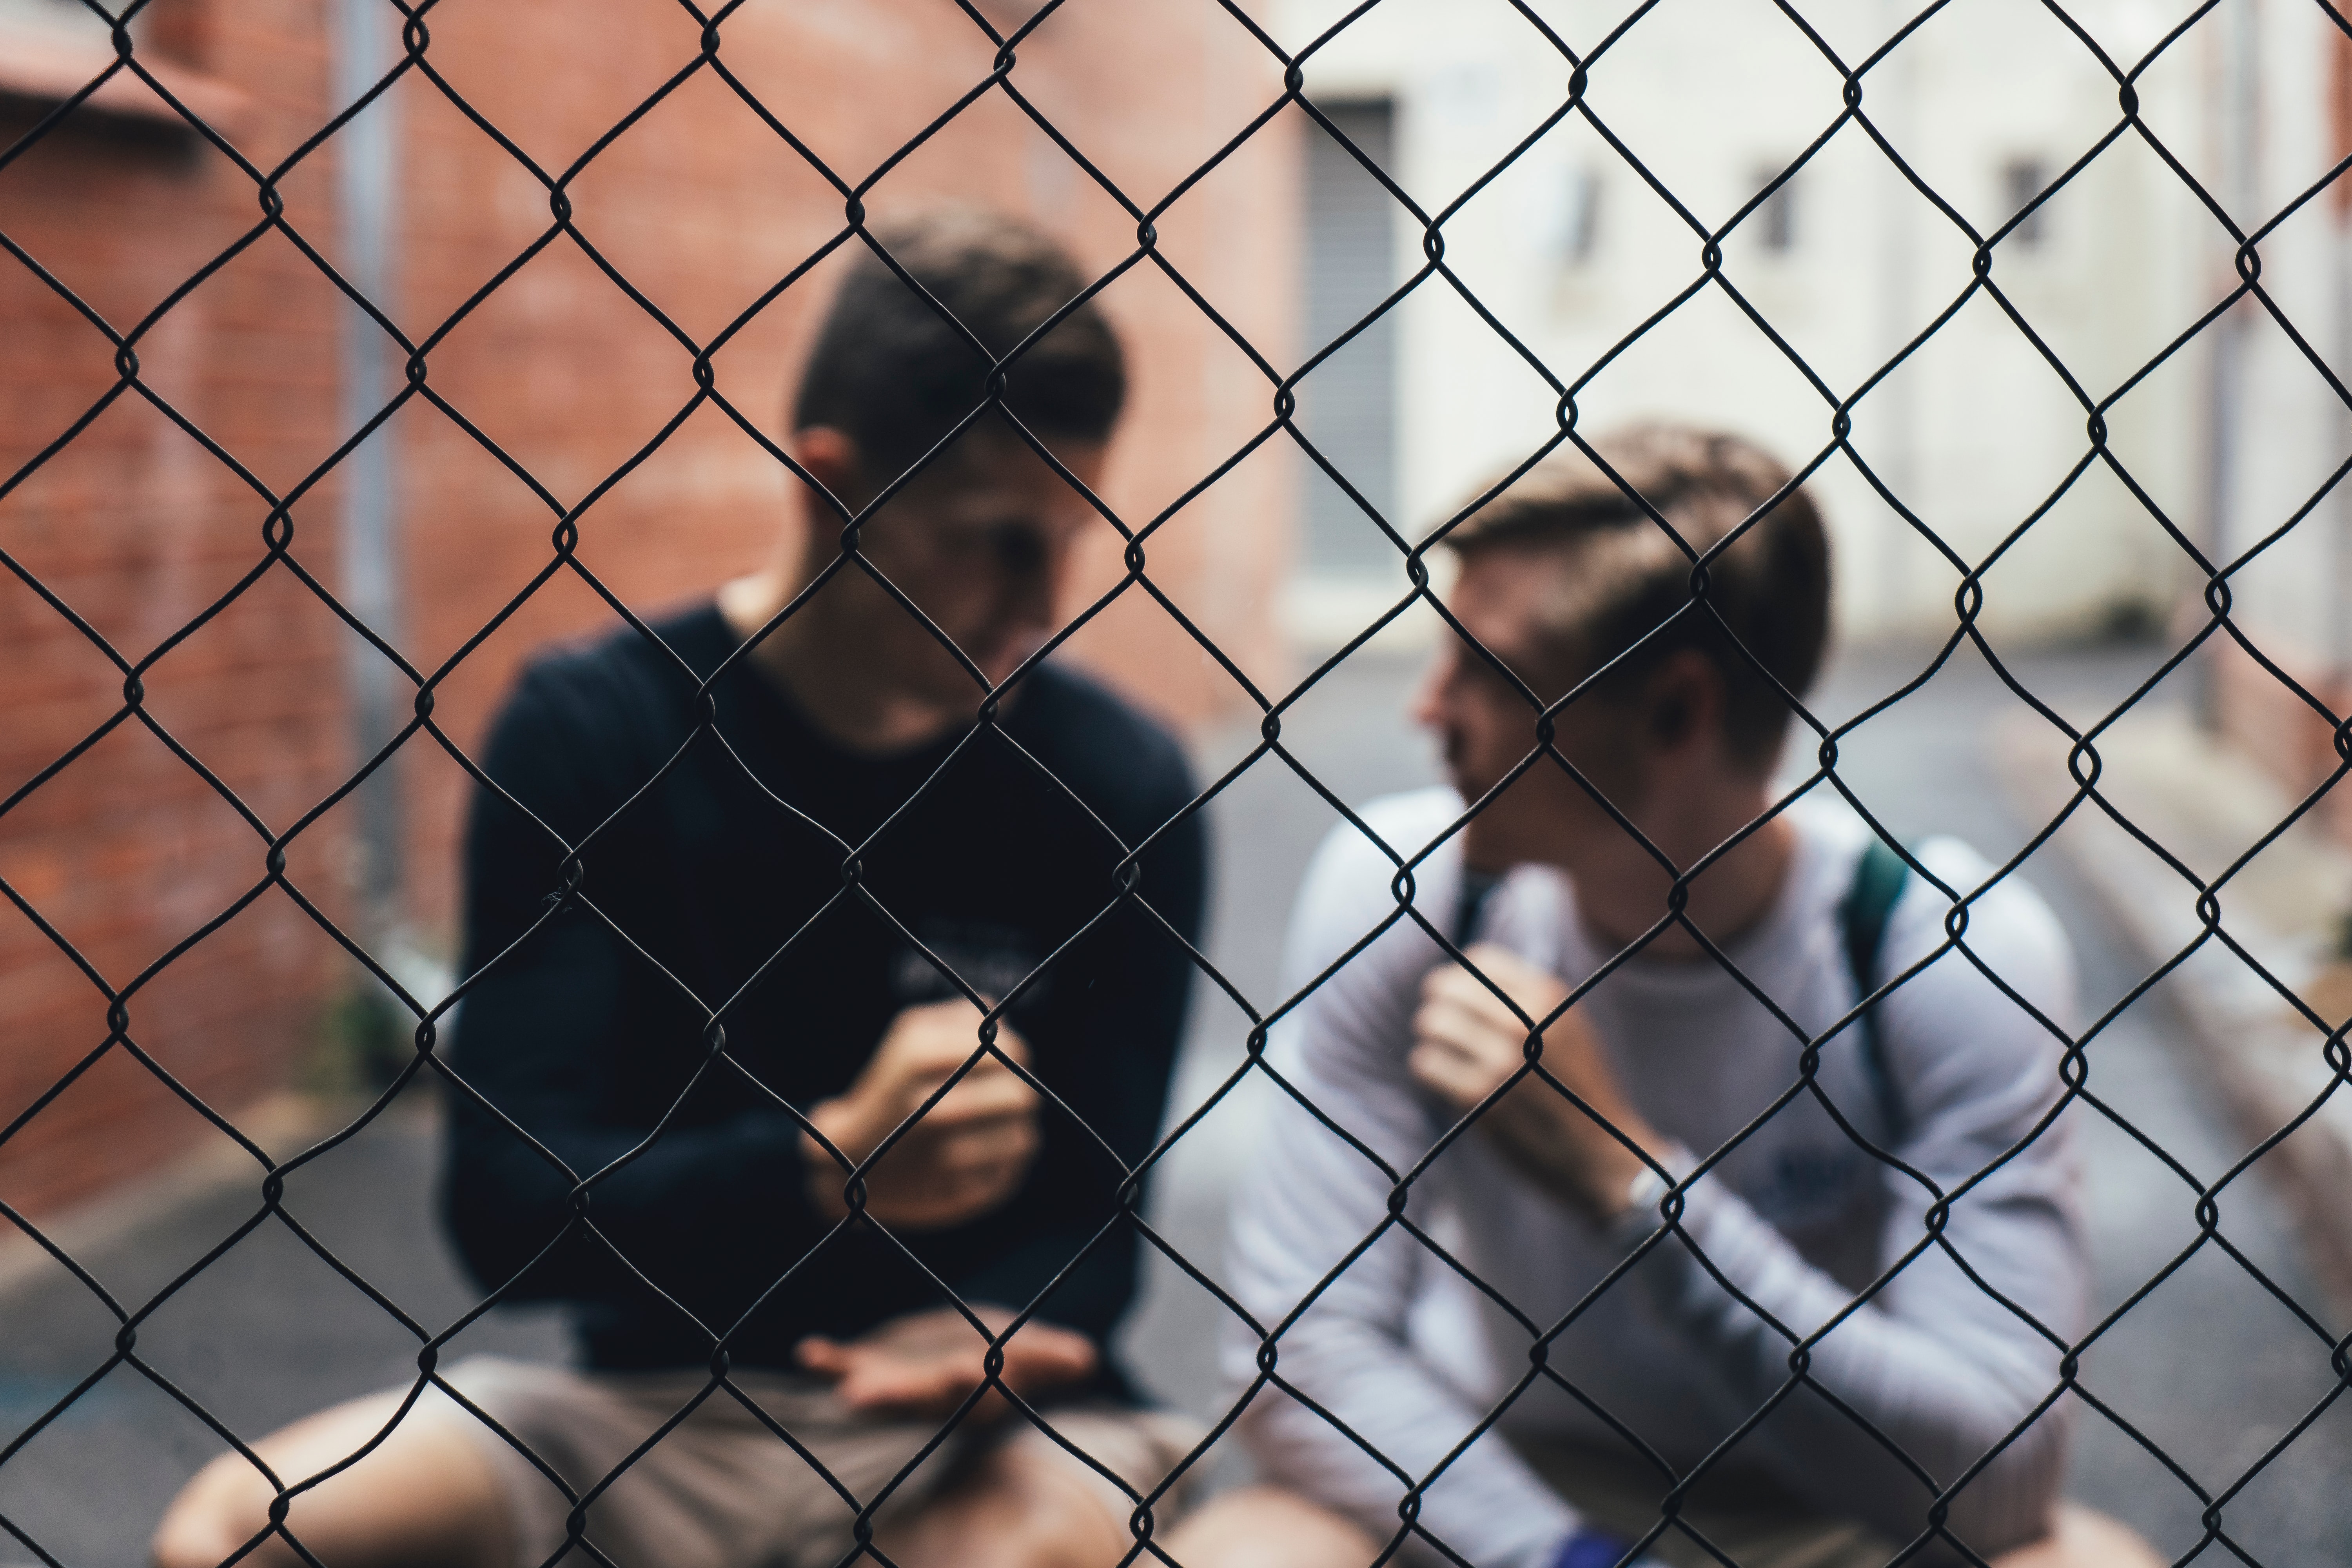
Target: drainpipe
x=2236 y=130
x=2339 y=651
x=363 y=37
x=1892 y=96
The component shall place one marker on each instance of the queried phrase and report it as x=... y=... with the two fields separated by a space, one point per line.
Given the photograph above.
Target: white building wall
x=2288 y=430
x=1975 y=431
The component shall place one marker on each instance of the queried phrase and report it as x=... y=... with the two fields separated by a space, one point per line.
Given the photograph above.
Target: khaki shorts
x=721 y=1490
x=1747 y=1518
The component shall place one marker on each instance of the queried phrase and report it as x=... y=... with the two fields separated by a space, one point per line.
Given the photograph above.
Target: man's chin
x=951 y=685
x=1471 y=789
x=1492 y=842
x=999 y=664
x=1486 y=865
x=999 y=672
x=1483 y=855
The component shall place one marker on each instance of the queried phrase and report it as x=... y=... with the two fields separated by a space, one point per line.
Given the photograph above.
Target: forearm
x=1078 y=1275
x=721 y=1205
x=1941 y=1380
x=1312 y=1197
x=1297 y=1216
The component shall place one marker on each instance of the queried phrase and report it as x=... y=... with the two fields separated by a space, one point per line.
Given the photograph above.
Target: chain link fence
x=398 y=697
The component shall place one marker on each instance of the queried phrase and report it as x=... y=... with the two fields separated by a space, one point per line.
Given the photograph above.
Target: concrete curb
x=2207 y=806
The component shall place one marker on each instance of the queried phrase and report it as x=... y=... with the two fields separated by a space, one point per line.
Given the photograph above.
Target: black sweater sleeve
x=707 y=1213
x=581 y=1042
x=1136 y=980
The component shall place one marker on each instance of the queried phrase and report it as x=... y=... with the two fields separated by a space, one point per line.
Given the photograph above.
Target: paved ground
x=2209 y=1366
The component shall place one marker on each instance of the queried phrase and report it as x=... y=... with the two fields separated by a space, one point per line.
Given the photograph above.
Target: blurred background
x=2071 y=430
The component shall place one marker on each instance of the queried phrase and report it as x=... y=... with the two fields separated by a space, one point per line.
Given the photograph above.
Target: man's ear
x=1683 y=701
x=830 y=458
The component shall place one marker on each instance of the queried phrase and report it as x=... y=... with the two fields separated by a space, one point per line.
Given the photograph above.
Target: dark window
x=2021 y=180
x=1348 y=404
x=1774 y=222
x=1581 y=223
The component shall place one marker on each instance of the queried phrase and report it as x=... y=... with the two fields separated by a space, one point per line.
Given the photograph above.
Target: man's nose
x=1429 y=704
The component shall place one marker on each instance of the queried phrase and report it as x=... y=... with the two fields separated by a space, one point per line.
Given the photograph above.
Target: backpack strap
x=1478 y=890
x=1878 y=879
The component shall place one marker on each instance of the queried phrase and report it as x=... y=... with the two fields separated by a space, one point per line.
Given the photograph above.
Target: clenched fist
x=1466 y=1043
x=963 y=1157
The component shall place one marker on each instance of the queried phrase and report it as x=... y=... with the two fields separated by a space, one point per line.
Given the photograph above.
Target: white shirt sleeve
x=1312 y=1203
x=1934 y=1362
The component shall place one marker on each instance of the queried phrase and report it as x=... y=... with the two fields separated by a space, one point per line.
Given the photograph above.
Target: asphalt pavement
x=2209 y=1365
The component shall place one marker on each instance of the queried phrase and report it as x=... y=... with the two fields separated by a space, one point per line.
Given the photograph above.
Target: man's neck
x=844 y=697
x=1621 y=895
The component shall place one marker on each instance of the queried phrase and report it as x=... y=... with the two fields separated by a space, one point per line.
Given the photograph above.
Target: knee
x=1266 y=1527
x=2084 y=1538
x=225 y=1505
x=1017 y=1508
x=1055 y=1514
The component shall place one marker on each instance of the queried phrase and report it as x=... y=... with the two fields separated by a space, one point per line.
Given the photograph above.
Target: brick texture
x=128 y=852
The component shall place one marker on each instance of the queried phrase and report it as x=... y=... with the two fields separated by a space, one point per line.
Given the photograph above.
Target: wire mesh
x=285 y=552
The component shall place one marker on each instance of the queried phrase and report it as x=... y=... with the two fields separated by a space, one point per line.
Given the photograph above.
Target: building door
x=1348 y=404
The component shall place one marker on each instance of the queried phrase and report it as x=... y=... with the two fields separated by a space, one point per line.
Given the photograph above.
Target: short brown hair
x=895 y=377
x=1626 y=578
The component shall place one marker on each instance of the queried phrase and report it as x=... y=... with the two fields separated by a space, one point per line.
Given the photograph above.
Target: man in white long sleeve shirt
x=1844 y=1339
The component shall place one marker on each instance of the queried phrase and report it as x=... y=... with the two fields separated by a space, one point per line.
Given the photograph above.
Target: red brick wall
x=703 y=208
x=128 y=852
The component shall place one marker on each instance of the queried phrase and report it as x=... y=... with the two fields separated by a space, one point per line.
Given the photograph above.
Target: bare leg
x=1030 y=1505
x=1266 y=1527
x=2083 y=1538
x=425 y=1497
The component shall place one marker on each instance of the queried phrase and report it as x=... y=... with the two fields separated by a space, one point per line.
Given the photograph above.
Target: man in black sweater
x=822 y=985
